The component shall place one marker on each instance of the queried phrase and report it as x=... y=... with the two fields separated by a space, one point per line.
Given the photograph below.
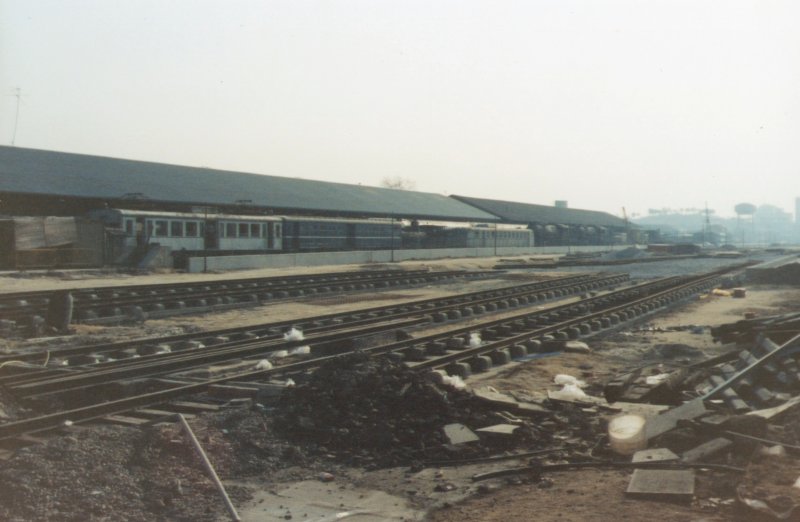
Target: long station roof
x=48 y=173
x=542 y=214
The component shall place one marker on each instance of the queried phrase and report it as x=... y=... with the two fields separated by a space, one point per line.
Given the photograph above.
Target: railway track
x=508 y=338
x=437 y=309
x=157 y=356
x=108 y=305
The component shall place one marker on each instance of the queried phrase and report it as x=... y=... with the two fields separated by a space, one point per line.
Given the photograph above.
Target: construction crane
x=627 y=226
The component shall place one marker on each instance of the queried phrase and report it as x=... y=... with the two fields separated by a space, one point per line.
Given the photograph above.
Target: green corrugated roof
x=32 y=171
x=530 y=213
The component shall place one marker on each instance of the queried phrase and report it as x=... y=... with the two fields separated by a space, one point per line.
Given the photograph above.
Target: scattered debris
x=626 y=434
x=654 y=455
x=459 y=434
x=378 y=413
x=746 y=330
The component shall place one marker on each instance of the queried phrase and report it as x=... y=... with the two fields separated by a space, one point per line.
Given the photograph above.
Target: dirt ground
x=449 y=494
x=587 y=495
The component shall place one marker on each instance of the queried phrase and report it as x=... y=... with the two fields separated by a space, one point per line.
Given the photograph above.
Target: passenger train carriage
x=135 y=231
x=194 y=231
x=316 y=234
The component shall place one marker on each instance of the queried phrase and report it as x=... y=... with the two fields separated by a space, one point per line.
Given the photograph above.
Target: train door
x=141 y=232
x=269 y=235
x=278 y=242
x=210 y=235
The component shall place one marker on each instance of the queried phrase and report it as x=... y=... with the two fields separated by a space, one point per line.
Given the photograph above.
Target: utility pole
x=391 y=228
x=18 y=95
x=495 y=239
x=627 y=226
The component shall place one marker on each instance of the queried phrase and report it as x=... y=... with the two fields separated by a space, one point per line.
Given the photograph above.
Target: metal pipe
x=209 y=468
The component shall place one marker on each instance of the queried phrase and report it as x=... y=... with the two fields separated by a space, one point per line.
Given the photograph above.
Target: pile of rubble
x=376 y=412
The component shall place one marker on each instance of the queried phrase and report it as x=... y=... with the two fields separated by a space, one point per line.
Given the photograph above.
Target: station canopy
x=47 y=173
x=542 y=214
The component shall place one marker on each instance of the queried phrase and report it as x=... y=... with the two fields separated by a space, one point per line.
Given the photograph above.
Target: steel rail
x=277 y=329
x=207 y=295
x=689 y=287
x=571 y=307
x=92 y=412
x=42 y=381
x=190 y=359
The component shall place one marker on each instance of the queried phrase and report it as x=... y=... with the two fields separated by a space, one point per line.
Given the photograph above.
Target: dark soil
x=378 y=413
x=110 y=473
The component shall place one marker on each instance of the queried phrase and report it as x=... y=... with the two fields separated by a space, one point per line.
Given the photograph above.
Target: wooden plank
x=151 y=413
x=124 y=420
x=198 y=407
x=227 y=391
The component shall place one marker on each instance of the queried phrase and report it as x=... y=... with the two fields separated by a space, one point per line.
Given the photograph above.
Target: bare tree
x=398 y=182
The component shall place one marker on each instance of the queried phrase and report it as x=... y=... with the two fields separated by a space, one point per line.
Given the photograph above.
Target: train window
x=244 y=230
x=149 y=228
x=230 y=229
x=255 y=230
x=191 y=229
x=277 y=231
x=176 y=228
x=202 y=227
x=161 y=228
x=129 y=227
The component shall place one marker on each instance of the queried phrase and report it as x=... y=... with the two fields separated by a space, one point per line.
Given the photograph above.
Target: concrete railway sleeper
x=117 y=304
x=157 y=365
x=483 y=357
x=160 y=358
x=535 y=291
x=462 y=357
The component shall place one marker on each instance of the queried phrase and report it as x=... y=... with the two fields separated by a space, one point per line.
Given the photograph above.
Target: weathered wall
x=196 y=264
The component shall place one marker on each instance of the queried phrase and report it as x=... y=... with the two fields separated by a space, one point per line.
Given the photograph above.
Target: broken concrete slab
x=524 y=408
x=662 y=484
x=459 y=434
x=493 y=396
x=499 y=429
x=706 y=449
x=654 y=455
x=667 y=421
x=496 y=398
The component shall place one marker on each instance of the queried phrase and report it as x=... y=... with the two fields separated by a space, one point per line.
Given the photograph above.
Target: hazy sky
x=602 y=103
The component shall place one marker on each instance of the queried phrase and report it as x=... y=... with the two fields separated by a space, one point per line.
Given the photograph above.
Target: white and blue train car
x=193 y=231
x=248 y=233
x=311 y=234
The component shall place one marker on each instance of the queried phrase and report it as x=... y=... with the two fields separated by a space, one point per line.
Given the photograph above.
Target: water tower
x=743 y=209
